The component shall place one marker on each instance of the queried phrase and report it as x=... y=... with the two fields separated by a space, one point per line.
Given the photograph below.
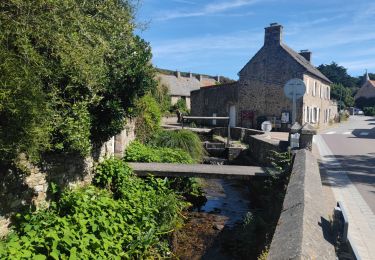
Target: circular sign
x=266 y=126
x=295 y=87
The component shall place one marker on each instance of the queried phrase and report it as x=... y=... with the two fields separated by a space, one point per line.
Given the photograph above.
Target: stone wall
x=213 y=100
x=261 y=84
x=260 y=145
x=20 y=190
x=300 y=232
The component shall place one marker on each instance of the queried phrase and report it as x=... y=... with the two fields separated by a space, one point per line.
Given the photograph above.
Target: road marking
x=347 y=133
x=363 y=133
x=330 y=133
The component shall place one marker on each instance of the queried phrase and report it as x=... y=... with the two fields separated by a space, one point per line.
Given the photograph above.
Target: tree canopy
x=339 y=75
x=70 y=73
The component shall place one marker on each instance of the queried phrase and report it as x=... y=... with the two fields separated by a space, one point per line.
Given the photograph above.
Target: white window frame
x=307 y=85
x=314 y=89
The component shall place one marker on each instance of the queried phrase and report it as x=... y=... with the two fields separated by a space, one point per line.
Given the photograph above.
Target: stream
x=207 y=232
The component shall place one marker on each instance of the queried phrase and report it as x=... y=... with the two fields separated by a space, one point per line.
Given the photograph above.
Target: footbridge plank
x=198 y=170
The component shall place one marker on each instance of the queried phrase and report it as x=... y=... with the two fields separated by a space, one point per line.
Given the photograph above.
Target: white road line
x=364 y=133
x=347 y=133
x=361 y=218
x=330 y=133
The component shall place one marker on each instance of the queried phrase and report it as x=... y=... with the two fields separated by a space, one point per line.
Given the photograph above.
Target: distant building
x=258 y=93
x=367 y=91
x=180 y=84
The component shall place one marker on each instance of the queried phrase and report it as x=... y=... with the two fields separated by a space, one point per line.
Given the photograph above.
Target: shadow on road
x=359 y=168
x=364 y=133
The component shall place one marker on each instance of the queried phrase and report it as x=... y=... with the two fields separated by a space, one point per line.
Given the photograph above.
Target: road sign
x=294 y=89
x=296 y=86
x=266 y=126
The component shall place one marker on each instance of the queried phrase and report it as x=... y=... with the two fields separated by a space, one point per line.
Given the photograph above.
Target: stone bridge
x=198 y=170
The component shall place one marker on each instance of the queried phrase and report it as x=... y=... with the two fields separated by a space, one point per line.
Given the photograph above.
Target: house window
x=307 y=85
x=321 y=91
x=329 y=93
x=315 y=87
x=306 y=114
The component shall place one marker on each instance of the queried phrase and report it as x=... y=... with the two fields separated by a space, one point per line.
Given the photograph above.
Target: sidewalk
x=361 y=231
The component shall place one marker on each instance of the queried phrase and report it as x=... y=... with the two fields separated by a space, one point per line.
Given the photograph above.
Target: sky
x=218 y=37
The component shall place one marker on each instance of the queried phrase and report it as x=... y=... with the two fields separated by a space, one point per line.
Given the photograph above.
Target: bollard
x=306 y=137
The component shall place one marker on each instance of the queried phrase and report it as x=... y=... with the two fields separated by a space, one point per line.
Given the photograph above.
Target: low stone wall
x=300 y=230
x=260 y=145
x=236 y=133
x=19 y=190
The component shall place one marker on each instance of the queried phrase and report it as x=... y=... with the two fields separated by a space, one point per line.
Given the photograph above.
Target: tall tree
x=338 y=74
x=70 y=73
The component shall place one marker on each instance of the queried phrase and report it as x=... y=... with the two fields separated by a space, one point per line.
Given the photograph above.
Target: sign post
x=294 y=89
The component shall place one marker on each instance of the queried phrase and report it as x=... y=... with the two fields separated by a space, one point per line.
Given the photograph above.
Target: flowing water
x=206 y=228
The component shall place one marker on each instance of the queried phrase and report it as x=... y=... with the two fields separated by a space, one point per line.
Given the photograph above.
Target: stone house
x=180 y=84
x=258 y=94
x=367 y=91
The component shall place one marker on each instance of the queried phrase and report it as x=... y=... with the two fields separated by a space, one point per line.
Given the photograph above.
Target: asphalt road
x=353 y=145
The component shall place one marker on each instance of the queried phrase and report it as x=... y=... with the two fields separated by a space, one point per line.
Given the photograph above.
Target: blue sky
x=218 y=37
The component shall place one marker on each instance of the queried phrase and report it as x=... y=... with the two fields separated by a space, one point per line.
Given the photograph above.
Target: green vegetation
x=126 y=217
x=343 y=95
x=161 y=94
x=268 y=201
x=70 y=73
x=138 y=152
x=369 y=111
x=188 y=187
x=148 y=120
x=181 y=139
x=181 y=105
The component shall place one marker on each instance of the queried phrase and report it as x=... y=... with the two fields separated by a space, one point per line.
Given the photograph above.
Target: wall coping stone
x=299 y=233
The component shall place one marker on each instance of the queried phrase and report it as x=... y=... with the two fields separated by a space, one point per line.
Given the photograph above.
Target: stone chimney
x=199 y=77
x=178 y=74
x=273 y=34
x=306 y=54
x=217 y=78
x=190 y=75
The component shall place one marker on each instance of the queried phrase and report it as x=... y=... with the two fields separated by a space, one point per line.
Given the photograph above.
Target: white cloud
x=209 y=9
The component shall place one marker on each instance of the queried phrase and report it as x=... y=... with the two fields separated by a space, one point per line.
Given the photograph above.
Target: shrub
x=189 y=187
x=61 y=89
x=148 y=118
x=138 y=152
x=181 y=139
x=181 y=105
x=89 y=223
x=369 y=111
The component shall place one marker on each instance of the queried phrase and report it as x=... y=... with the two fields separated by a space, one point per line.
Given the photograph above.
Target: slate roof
x=305 y=63
x=367 y=90
x=182 y=86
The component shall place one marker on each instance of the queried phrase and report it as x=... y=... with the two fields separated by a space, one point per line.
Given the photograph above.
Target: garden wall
x=301 y=230
x=20 y=190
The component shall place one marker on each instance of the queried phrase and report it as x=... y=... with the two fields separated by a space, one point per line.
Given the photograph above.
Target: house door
x=232 y=116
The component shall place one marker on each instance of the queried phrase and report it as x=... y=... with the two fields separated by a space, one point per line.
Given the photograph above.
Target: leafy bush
x=181 y=105
x=89 y=223
x=162 y=96
x=181 y=139
x=62 y=89
x=369 y=111
x=148 y=118
x=138 y=152
x=189 y=187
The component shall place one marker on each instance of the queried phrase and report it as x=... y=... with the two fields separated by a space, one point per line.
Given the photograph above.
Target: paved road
x=348 y=154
